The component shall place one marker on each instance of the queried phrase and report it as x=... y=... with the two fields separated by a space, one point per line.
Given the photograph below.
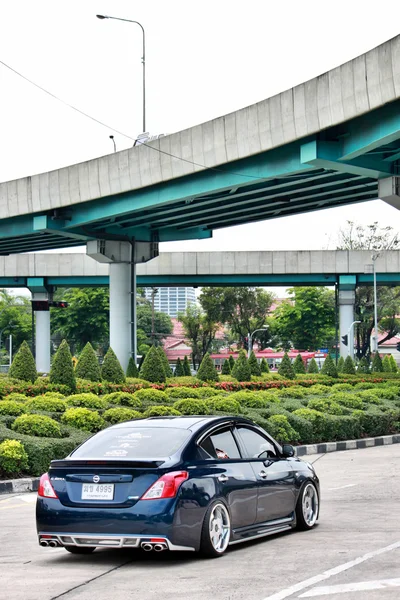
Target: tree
x=179 y=372
x=393 y=364
x=152 y=368
x=186 y=367
x=62 y=369
x=377 y=366
x=132 y=370
x=329 y=367
x=15 y=318
x=264 y=366
x=111 y=369
x=23 y=366
x=226 y=368
x=348 y=366
x=243 y=309
x=165 y=362
x=253 y=364
x=307 y=319
x=312 y=366
x=363 y=366
x=207 y=370
x=199 y=330
x=286 y=368
x=162 y=323
x=298 y=365
x=88 y=366
x=241 y=370
x=386 y=364
x=340 y=365
x=231 y=362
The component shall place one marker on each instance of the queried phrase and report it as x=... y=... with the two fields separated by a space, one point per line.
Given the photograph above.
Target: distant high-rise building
x=172 y=300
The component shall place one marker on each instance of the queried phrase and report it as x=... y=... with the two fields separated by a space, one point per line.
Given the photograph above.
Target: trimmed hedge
x=88 y=366
x=13 y=458
x=207 y=370
x=123 y=398
x=183 y=392
x=87 y=401
x=152 y=368
x=83 y=418
x=280 y=429
x=23 y=366
x=226 y=405
x=161 y=411
x=37 y=425
x=191 y=406
x=119 y=415
x=62 y=369
x=241 y=369
x=111 y=369
x=47 y=404
x=151 y=396
x=8 y=407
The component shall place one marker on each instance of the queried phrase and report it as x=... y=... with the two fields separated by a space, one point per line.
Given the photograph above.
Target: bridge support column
x=389 y=191
x=42 y=335
x=347 y=285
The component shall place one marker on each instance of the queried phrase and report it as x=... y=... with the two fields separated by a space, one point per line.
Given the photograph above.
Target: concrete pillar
x=346 y=318
x=120 y=311
x=389 y=191
x=42 y=336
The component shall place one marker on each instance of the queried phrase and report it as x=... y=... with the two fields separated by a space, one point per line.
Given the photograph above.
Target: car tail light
x=46 y=490
x=167 y=486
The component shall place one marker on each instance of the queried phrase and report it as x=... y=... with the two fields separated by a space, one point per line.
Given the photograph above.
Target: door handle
x=223 y=478
x=263 y=474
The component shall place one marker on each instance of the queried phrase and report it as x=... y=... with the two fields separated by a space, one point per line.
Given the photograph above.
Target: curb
x=28 y=484
x=383 y=440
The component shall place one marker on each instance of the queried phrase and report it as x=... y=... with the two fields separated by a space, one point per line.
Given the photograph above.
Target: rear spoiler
x=118 y=464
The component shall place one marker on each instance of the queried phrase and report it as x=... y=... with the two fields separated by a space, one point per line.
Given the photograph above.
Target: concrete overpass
x=343 y=269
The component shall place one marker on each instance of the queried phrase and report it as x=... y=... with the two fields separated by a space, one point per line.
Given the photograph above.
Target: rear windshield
x=133 y=443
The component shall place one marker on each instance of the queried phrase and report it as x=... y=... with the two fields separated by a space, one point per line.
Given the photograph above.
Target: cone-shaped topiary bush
x=186 y=367
x=111 y=369
x=241 y=369
x=387 y=367
x=340 y=365
x=377 y=366
x=329 y=367
x=363 y=367
x=264 y=366
x=132 y=370
x=207 y=370
x=286 y=368
x=23 y=366
x=348 y=366
x=165 y=362
x=393 y=364
x=152 y=368
x=231 y=362
x=88 y=366
x=298 y=365
x=62 y=369
x=253 y=364
x=226 y=368
x=312 y=366
x=179 y=372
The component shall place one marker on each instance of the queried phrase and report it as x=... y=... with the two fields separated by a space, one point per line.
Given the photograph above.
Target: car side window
x=220 y=445
x=255 y=445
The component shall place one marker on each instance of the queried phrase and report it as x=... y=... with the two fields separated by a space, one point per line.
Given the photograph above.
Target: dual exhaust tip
x=159 y=547
x=51 y=543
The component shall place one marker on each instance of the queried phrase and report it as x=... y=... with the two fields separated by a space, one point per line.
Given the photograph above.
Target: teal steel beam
x=45 y=224
x=145 y=234
x=78 y=281
x=36 y=284
x=12 y=282
x=347 y=282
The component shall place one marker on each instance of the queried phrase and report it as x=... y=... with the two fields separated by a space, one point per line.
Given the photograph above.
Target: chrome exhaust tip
x=43 y=543
x=147 y=547
x=160 y=547
x=53 y=544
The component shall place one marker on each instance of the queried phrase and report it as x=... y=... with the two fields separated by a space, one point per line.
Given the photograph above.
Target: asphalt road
x=353 y=554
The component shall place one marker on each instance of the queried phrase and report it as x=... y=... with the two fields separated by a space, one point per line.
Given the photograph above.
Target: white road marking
x=298 y=587
x=342 y=487
x=27 y=497
x=362 y=586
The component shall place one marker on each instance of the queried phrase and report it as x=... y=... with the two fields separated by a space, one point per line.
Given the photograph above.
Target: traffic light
x=246 y=343
x=40 y=305
x=345 y=339
x=398 y=346
x=58 y=304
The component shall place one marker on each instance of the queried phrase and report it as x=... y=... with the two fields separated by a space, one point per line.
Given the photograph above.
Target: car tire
x=307 y=506
x=80 y=549
x=216 y=530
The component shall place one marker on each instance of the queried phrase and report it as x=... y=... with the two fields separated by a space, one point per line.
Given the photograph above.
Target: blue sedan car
x=175 y=483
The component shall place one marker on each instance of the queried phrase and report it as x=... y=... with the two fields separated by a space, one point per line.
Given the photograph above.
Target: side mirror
x=287 y=451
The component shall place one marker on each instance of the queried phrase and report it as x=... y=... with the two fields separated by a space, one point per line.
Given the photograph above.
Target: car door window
x=220 y=445
x=256 y=445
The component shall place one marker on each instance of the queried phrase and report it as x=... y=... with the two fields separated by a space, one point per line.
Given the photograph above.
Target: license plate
x=97 y=491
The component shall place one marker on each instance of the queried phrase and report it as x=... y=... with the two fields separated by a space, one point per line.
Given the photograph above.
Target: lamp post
x=250 y=336
x=375 y=338
x=350 y=337
x=143 y=59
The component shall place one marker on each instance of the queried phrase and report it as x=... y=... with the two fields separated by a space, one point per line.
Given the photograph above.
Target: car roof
x=191 y=422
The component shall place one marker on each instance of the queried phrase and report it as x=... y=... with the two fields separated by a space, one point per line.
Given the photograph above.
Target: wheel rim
x=310 y=504
x=220 y=528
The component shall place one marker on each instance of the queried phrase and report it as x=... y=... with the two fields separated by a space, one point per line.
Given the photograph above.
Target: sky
x=203 y=60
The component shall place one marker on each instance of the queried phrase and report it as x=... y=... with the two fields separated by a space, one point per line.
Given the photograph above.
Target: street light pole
x=350 y=338
x=143 y=59
x=375 y=338
x=250 y=336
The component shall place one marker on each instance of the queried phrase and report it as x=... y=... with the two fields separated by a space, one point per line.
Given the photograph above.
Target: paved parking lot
x=353 y=554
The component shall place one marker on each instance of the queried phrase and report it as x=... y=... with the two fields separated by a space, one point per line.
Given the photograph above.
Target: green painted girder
x=37 y=284
x=45 y=224
x=79 y=281
x=145 y=234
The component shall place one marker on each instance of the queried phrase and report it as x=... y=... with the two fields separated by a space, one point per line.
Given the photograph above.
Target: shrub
x=255 y=368
x=9 y=407
x=136 y=381
x=377 y=366
x=342 y=387
x=191 y=406
x=88 y=366
x=15 y=397
x=340 y=365
x=179 y=372
x=151 y=396
x=186 y=367
x=375 y=422
x=387 y=393
x=298 y=365
x=205 y=392
x=254 y=401
x=286 y=368
x=53 y=395
x=393 y=364
x=291 y=404
x=317 y=420
x=348 y=366
x=47 y=404
x=152 y=368
x=132 y=370
x=165 y=362
x=280 y=429
x=325 y=405
x=37 y=425
x=241 y=370
x=293 y=392
x=329 y=368
x=83 y=418
x=123 y=398
x=302 y=426
x=161 y=411
x=319 y=388
x=119 y=415
x=227 y=378
x=183 y=381
x=23 y=366
x=386 y=365
x=231 y=362
x=226 y=368
x=312 y=366
x=346 y=399
x=13 y=458
x=264 y=366
x=370 y=396
x=111 y=369
x=62 y=369
x=182 y=392
x=224 y=405
x=86 y=400
x=207 y=370
x=363 y=366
